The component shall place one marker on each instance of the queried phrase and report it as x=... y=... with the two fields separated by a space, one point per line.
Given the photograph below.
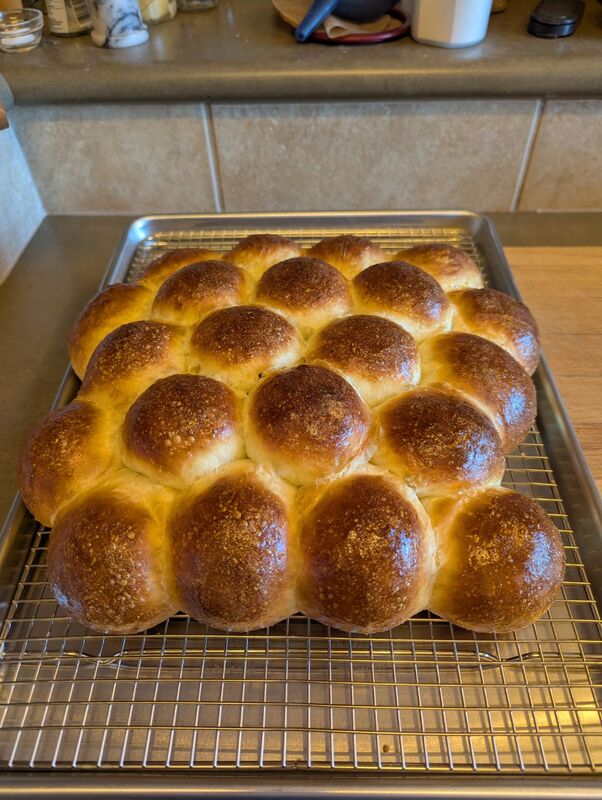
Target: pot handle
x=319 y=10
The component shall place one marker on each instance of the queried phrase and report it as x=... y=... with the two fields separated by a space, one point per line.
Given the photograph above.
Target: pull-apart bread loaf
x=273 y=430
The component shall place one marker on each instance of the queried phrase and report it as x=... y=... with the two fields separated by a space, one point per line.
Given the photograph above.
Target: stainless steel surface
x=423 y=699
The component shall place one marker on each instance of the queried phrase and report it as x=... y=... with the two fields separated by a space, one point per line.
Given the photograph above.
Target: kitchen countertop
x=556 y=259
x=242 y=51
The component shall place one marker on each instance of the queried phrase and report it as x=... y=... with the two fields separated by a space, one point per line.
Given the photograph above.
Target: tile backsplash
x=486 y=155
x=118 y=158
x=441 y=154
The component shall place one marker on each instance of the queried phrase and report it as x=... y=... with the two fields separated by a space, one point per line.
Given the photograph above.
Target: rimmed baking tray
x=298 y=709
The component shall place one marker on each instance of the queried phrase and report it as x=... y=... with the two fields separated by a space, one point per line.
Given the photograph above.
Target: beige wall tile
x=117 y=158
x=435 y=154
x=565 y=171
x=21 y=209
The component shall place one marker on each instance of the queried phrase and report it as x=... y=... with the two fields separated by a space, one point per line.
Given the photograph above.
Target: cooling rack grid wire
x=424 y=697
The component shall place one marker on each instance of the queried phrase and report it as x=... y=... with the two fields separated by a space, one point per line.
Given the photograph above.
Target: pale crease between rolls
x=273 y=430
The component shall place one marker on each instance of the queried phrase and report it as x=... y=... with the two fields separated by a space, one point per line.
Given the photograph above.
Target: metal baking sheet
x=424 y=709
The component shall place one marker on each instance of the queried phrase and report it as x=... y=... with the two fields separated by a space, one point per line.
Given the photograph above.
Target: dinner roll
x=500 y=318
x=65 y=453
x=377 y=356
x=404 y=294
x=259 y=251
x=161 y=268
x=438 y=442
x=451 y=267
x=349 y=254
x=131 y=358
x=501 y=561
x=488 y=375
x=241 y=343
x=307 y=290
x=181 y=428
x=232 y=549
x=193 y=290
x=116 y=305
x=217 y=463
x=109 y=562
x=366 y=553
x=306 y=422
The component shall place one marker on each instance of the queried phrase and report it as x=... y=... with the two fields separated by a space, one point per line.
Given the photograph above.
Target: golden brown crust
x=231 y=552
x=500 y=318
x=502 y=562
x=151 y=400
x=232 y=339
x=349 y=254
x=368 y=346
x=306 y=422
x=161 y=268
x=438 y=442
x=131 y=358
x=307 y=289
x=451 y=267
x=114 y=306
x=65 y=453
x=193 y=290
x=182 y=427
x=108 y=563
x=365 y=554
x=488 y=375
x=405 y=294
x=259 y=251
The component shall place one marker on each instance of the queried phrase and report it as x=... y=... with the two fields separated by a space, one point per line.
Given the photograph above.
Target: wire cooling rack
x=425 y=697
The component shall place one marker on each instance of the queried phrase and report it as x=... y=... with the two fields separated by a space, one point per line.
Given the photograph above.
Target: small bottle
x=156 y=11
x=68 y=17
x=196 y=5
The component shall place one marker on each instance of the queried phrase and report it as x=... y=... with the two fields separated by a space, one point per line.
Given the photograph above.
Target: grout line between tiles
x=528 y=153
x=214 y=169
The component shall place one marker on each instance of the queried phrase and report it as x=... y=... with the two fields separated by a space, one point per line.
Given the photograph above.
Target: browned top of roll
x=107 y=561
x=179 y=416
x=497 y=316
x=114 y=306
x=348 y=253
x=310 y=413
x=67 y=451
x=450 y=266
x=241 y=334
x=230 y=550
x=161 y=268
x=132 y=351
x=264 y=249
x=488 y=373
x=362 y=554
x=369 y=346
x=503 y=563
x=436 y=437
x=302 y=284
x=198 y=288
x=404 y=289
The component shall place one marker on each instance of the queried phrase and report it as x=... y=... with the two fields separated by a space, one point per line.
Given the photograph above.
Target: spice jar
x=117 y=23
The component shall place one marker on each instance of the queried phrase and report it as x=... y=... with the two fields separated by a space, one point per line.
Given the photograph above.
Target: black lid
x=554 y=18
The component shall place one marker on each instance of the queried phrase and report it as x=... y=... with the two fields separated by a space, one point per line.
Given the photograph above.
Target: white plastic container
x=450 y=23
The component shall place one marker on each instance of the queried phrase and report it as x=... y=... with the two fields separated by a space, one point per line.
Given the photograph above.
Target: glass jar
x=155 y=11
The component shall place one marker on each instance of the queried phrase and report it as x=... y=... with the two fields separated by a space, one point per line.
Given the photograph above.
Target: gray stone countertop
x=242 y=51
x=62 y=268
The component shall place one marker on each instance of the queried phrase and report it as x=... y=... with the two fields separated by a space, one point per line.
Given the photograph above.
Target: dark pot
x=356 y=10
